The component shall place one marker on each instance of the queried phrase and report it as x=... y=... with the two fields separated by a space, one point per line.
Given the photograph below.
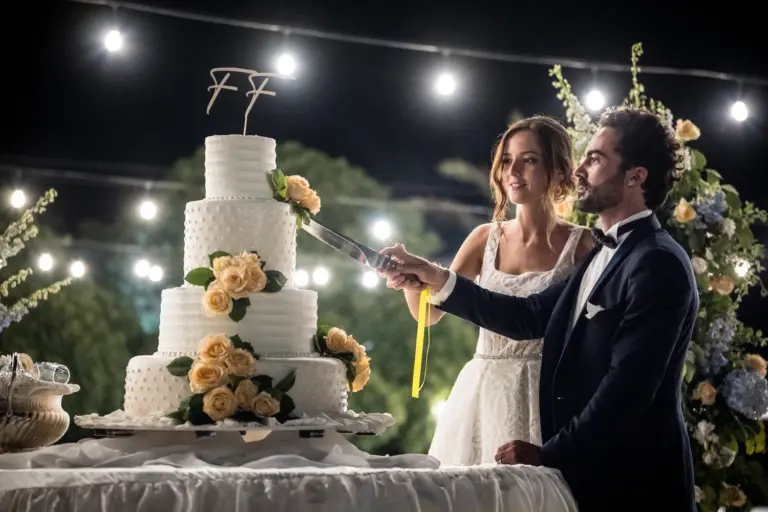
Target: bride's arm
x=467 y=263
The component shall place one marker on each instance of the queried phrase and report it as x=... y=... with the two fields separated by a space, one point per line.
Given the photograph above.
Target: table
x=177 y=471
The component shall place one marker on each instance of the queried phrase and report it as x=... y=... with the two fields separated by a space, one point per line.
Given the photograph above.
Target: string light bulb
x=739 y=111
x=113 y=41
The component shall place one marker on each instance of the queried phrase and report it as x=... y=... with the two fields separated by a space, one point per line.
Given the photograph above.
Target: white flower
x=710 y=458
x=728 y=227
x=699 y=264
x=698 y=493
x=708 y=254
x=705 y=431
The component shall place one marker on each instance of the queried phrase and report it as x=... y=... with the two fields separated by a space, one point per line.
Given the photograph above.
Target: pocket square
x=592 y=310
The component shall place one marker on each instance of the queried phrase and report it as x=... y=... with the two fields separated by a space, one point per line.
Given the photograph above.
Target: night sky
x=70 y=104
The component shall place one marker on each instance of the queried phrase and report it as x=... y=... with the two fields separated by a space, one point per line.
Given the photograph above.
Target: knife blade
x=351 y=248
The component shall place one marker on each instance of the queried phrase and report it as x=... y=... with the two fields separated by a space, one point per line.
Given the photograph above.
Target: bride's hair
x=557 y=156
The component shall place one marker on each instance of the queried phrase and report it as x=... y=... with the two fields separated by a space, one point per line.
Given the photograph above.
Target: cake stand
x=118 y=423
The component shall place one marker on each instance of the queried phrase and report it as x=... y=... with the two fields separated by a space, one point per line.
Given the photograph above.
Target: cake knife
x=351 y=248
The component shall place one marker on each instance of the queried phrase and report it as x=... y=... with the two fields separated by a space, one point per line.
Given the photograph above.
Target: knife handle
x=388 y=264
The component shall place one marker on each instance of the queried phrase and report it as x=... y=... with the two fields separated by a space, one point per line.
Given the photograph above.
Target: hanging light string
x=512 y=58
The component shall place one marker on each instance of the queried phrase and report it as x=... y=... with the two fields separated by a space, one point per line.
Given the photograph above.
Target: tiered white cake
x=239 y=214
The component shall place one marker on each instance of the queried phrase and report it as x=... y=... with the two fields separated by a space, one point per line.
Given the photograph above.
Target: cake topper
x=255 y=91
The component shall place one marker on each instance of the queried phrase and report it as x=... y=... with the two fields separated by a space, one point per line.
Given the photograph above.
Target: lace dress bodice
x=494 y=346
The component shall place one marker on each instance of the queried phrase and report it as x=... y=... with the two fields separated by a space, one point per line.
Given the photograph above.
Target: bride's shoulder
x=585 y=241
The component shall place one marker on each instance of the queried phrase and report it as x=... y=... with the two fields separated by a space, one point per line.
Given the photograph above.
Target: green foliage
x=709 y=219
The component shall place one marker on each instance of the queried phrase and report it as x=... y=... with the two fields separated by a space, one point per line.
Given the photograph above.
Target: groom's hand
x=518 y=452
x=429 y=274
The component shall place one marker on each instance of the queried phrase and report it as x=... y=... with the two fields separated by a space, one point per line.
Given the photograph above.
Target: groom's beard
x=599 y=198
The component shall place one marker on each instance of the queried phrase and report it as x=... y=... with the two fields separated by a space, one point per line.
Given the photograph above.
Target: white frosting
x=265 y=226
x=237 y=166
x=320 y=386
x=274 y=323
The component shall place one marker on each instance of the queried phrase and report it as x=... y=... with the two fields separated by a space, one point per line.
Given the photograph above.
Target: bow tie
x=608 y=240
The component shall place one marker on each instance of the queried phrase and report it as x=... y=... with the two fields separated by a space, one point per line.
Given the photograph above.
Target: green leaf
x=184 y=404
x=713 y=176
x=287 y=382
x=695 y=242
x=749 y=445
x=746 y=237
x=286 y=405
x=277 y=183
x=698 y=161
x=196 y=416
x=275 y=281
x=351 y=374
x=237 y=342
x=180 y=415
x=689 y=371
x=217 y=254
x=245 y=416
x=302 y=214
x=200 y=276
x=238 y=308
x=180 y=366
x=732 y=197
x=263 y=382
x=347 y=357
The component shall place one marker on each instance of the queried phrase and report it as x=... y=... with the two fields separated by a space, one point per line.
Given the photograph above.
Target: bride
x=496 y=395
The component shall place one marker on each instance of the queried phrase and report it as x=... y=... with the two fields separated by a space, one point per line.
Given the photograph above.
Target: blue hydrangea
x=716 y=343
x=709 y=209
x=746 y=391
x=8 y=316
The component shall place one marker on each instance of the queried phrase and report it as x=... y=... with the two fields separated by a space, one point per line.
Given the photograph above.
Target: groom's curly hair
x=646 y=141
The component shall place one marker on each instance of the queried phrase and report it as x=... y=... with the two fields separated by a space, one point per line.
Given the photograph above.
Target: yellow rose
x=705 y=393
x=214 y=347
x=245 y=393
x=311 y=202
x=336 y=340
x=722 y=284
x=359 y=352
x=684 y=212
x=296 y=188
x=362 y=374
x=240 y=363
x=216 y=301
x=234 y=280
x=220 y=263
x=686 y=130
x=265 y=405
x=733 y=496
x=756 y=363
x=219 y=403
x=26 y=362
x=255 y=278
x=204 y=376
x=250 y=259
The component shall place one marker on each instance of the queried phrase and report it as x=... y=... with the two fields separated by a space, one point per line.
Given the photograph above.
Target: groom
x=616 y=332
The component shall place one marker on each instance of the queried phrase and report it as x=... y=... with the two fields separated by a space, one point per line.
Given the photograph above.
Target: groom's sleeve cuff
x=438 y=298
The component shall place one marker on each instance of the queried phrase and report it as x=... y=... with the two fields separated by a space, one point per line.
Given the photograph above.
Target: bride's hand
x=407 y=266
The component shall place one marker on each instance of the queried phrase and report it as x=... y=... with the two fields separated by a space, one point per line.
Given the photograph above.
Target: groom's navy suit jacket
x=610 y=392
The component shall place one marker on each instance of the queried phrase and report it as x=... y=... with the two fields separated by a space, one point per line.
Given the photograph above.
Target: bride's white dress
x=496 y=396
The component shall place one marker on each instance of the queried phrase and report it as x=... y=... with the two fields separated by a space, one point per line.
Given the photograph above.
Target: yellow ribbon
x=418 y=356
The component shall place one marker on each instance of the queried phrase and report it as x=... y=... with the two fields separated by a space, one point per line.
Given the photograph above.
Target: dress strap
x=491 y=249
x=568 y=254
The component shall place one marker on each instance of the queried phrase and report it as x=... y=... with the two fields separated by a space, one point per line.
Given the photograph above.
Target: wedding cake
x=238 y=340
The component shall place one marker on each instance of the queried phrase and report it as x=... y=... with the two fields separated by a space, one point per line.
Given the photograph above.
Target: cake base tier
x=120 y=423
x=320 y=387
x=278 y=324
x=265 y=226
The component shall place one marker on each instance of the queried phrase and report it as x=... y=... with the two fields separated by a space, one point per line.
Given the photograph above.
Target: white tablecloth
x=174 y=471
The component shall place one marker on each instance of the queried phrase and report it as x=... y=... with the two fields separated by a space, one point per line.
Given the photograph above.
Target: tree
x=724 y=387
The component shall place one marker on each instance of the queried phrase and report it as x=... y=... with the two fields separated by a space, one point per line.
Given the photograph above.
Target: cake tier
x=281 y=323
x=320 y=386
x=265 y=226
x=237 y=166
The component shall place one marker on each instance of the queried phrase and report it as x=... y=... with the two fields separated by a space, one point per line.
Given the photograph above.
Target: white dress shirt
x=588 y=281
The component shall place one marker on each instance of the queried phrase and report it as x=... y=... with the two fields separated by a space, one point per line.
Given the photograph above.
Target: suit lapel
x=637 y=234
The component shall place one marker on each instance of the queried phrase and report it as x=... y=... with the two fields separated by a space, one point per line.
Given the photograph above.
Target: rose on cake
x=229 y=279
x=224 y=383
x=335 y=342
x=295 y=190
